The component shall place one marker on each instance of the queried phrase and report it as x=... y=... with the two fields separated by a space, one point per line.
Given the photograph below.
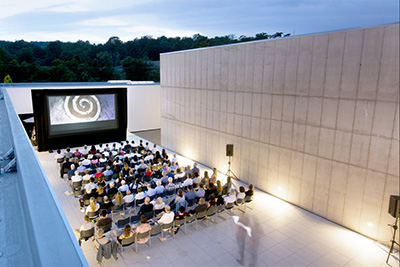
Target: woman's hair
x=143 y=219
x=242 y=189
x=206 y=174
x=118 y=197
x=92 y=204
x=219 y=187
x=251 y=187
x=127 y=230
x=159 y=200
x=100 y=190
x=180 y=192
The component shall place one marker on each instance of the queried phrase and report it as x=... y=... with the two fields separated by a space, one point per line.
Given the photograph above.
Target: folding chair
x=166 y=228
x=85 y=235
x=139 y=236
x=211 y=213
x=122 y=222
x=178 y=224
x=93 y=214
x=126 y=242
x=135 y=219
x=202 y=215
x=240 y=202
x=156 y=230
x=107 y=227
x=220 y=209
x=247 y=201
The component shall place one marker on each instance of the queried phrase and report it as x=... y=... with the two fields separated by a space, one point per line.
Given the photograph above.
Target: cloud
x=94 y=20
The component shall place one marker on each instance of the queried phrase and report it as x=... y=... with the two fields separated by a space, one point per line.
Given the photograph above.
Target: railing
x=50 y=238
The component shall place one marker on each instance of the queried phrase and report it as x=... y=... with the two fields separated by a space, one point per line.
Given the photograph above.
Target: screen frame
x=47 y=141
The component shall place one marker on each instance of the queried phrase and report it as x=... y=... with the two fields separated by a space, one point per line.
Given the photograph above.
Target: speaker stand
x=393 y=239
x=230 y=173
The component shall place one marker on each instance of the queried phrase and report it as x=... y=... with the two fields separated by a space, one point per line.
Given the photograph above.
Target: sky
x=98 y=20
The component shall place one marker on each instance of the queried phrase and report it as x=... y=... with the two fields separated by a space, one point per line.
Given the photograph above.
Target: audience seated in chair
x=143 y=227
x=93 y=206
x=87 y=225
x=127 y=232
x=104 y=220
x=231 y=198
x=147 y=207
x=250 y=191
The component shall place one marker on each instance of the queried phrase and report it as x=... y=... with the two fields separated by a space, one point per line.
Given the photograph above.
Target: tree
x=137 y=69
x=7 y=79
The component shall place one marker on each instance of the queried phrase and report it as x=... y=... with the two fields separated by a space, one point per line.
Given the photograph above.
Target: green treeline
x=81 y=61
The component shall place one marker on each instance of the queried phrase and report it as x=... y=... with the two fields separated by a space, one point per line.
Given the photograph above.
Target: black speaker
x=394 y=206
x=229 y=150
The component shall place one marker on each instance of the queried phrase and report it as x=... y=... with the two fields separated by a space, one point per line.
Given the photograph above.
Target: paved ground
x=286 y=236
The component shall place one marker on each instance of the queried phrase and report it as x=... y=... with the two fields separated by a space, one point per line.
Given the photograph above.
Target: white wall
x=144 y=105
x=314 y=119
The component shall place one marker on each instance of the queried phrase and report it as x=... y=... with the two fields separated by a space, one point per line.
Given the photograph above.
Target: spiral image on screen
x=81 y=108
x=85 y=108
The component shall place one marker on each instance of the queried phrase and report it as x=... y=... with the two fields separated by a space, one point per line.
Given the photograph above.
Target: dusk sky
x=98 y=20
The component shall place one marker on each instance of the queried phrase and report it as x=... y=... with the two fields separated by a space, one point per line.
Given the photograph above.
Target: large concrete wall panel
x=314 y=119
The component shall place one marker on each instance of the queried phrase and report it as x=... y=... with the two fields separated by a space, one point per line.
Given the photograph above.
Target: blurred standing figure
x=247 y=229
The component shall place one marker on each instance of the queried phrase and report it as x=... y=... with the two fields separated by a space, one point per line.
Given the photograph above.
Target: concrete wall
x=144 y=106
x=313 y=119
x=41 y=235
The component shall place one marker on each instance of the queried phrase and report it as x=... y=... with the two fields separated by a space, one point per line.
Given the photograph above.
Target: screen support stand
x=394 y=238
x=230 y=173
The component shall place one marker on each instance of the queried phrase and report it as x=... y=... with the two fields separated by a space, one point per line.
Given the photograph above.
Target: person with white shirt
x=174 y=159
x=231 y=198
x=140 y=195
x=87 y=176
x=158 y=204
x=187 y=182
x=59 y=155
x=87 y=225
x=81 y=168
x=85 y=151
x=108 y=171
x=150 y=191
x=200 y=192
x=77 y=177
x=166 y=217
x=129 y=198
x=159 y=188
x=242 y=193
x=91 y=184
x=155 y=149
x=86 y=162
x=141 y=166
x=74 y=178
x=124 y=187
x=149 y=157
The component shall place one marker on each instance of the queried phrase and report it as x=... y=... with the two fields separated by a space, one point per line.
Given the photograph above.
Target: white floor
x=288 y=236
